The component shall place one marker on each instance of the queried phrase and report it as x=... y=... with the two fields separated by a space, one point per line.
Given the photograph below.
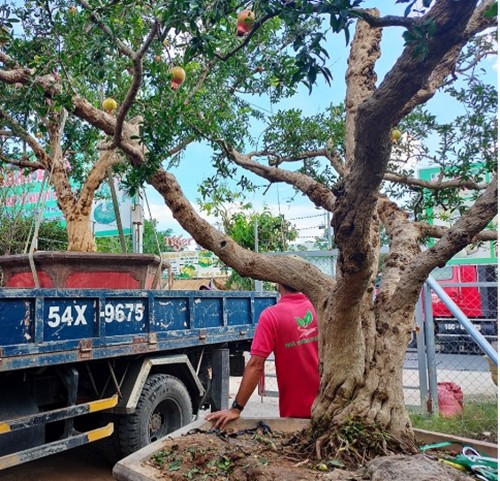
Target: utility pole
x=258 y=284
x=137 y=219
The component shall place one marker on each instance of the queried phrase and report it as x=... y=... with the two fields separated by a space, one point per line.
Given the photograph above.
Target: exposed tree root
x=352 y=444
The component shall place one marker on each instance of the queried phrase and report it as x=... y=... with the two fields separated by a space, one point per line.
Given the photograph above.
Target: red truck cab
x=467 y=298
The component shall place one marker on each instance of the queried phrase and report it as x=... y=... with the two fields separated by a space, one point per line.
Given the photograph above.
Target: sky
x=301 y=211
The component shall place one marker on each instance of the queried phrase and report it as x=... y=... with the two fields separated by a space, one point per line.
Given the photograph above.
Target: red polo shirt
x=289 y=329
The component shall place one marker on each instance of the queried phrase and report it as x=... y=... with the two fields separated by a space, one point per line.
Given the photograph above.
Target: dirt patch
x=259 y=454
x=248 y=455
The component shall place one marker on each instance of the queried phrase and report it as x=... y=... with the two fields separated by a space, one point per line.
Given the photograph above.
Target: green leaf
x=491 y=11
x=308 y=318
x=175 y=465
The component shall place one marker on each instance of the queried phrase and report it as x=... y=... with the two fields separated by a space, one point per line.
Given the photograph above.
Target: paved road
x=451 y=362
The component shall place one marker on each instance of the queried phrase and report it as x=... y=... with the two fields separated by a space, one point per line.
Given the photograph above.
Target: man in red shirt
x=289 y=329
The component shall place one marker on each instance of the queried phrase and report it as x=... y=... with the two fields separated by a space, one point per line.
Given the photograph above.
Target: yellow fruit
x=109 y=104
x=157 y=58
x=72 y=9
x=178 y=76
x=38 y=135
x=396 y=135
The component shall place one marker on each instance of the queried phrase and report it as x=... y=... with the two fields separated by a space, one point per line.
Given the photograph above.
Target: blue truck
x=119 y=367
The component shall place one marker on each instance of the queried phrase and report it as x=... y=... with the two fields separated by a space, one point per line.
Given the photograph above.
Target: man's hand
x=221 y=418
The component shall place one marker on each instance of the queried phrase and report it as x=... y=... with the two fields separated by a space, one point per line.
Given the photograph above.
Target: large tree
x=363 y=334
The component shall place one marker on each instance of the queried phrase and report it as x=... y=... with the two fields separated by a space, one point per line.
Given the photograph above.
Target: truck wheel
x=163 y=407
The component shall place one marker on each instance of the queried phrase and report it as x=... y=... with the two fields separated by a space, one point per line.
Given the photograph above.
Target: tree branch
x=284 y=270
x=180 y=146
x=134 y=88
x=275 y=160
x=38 y=150
x=433 y=185
x=319 y=194
x=387 y=21
x=199 y=83
x=360 y=77
x=477 y=23
x=23 y=162
x=98 y=172
x=438 y=232
x=123 y=48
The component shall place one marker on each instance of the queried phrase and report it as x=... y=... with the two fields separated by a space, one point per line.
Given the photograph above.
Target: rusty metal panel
x=17 y=321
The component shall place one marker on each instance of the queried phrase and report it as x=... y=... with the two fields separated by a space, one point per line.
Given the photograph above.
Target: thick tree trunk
x=80 y=237
x=362 y=375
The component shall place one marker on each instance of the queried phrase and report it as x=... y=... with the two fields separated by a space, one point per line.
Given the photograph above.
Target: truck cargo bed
x=41 y=327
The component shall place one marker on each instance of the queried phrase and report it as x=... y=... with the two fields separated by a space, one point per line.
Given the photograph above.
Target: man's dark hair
x=289 y=289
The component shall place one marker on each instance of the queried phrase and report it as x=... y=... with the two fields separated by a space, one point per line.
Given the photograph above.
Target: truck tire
x=163 y=407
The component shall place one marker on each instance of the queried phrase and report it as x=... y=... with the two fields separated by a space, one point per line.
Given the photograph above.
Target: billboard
x=194 y=264
x=103 y=213
x=24 y=192
x=481 y=253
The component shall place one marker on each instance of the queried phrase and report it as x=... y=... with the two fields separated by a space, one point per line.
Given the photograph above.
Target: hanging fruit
x=395 y=135
x=178 y=76
x=246 y=19
x=109 y=105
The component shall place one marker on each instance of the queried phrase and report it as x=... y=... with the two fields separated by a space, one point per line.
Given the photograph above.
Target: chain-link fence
x=453 y=355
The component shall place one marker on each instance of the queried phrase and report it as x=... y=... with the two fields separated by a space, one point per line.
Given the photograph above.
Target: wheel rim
x=165 y=418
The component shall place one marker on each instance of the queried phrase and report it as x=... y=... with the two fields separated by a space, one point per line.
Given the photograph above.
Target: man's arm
x=251 y=375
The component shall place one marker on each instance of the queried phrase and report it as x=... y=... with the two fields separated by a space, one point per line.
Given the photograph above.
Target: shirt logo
x=306 y=334
x=303 y=323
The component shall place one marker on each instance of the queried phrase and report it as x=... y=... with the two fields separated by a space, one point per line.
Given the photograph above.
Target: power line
x=307 y=217
x=312 y=227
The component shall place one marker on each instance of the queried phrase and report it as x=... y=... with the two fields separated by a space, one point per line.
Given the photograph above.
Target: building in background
x=481 y=253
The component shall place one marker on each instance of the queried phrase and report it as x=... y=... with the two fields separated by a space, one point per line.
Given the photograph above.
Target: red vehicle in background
x=474 y=289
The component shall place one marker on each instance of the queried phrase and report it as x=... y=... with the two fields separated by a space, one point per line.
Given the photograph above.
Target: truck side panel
x=42 y=327
x=93 y=346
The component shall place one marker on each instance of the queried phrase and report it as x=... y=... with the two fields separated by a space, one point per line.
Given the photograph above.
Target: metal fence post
x=220 y=379
x=464 y=320
x=430 y=344
x=422 y=363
